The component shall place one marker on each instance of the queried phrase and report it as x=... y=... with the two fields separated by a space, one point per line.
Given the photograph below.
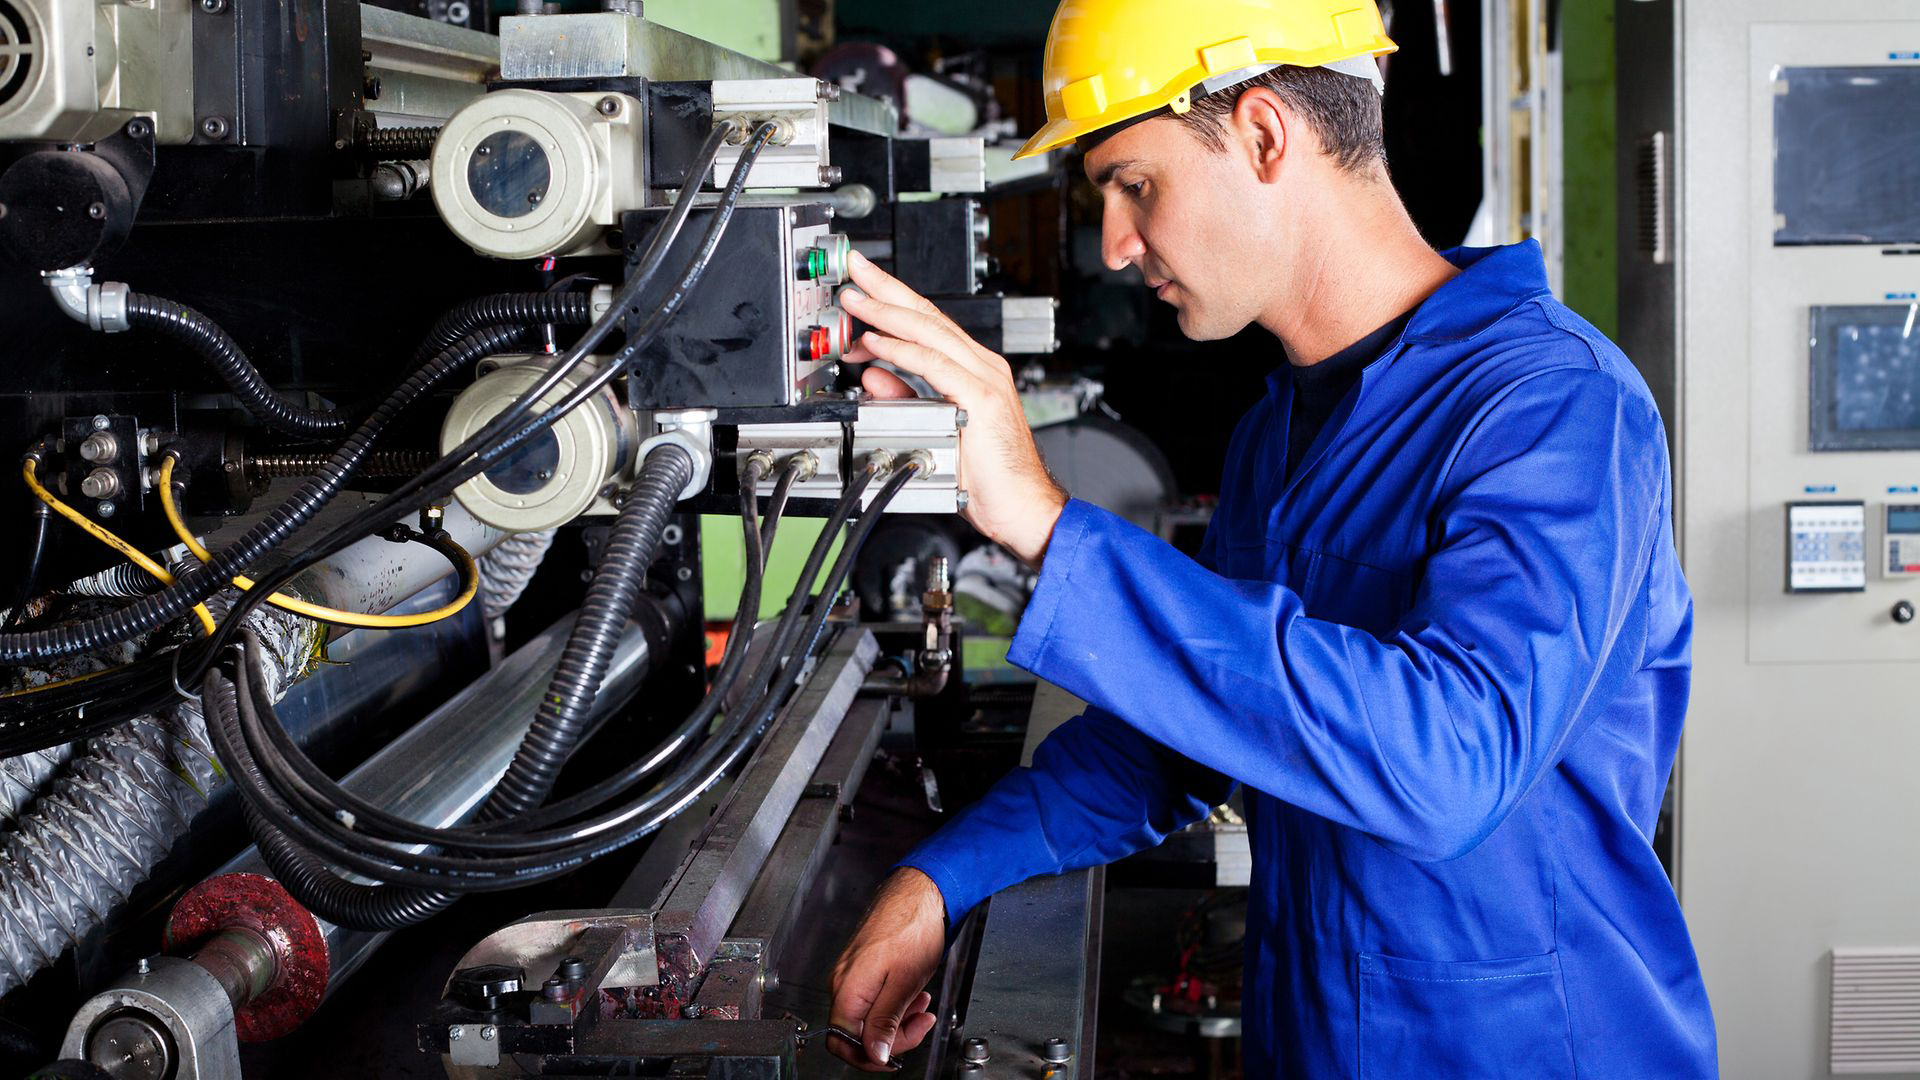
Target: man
x=1437 y=631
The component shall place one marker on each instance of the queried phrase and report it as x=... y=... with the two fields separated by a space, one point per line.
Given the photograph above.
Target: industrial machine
x=395 y=367
x=1770 y=279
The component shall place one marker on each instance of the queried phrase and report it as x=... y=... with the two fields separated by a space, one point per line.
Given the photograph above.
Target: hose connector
x=98 y=307
x=692 y=430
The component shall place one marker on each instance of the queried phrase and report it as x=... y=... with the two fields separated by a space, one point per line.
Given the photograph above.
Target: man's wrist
x=1036 y=533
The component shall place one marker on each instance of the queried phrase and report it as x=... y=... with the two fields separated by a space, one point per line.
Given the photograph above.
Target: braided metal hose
x=96 y=830
x=506 y=571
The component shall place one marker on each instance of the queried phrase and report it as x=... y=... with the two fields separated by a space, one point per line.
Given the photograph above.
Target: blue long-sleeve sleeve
x=1531 y=606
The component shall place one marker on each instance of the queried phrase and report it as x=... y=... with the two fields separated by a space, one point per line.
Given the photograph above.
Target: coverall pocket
x=1467 y=1020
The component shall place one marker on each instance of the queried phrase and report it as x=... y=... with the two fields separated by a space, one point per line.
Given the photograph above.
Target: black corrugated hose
x=519 y=308
x=562 y=720
x=196 y=585
x=204 y=336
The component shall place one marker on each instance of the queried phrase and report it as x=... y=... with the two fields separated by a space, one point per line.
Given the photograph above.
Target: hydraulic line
x=36 y=554
x=498 y=438
x=462 y=560
x=501 y=309
x=101 y=533
x=562 y=720
x=194 y=587
x=468 y=872
x=204 y=336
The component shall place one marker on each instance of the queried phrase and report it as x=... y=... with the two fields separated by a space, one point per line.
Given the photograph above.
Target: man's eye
x=1135 y=189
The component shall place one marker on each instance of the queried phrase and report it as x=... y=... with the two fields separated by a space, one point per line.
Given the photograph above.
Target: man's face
x=1185 y=215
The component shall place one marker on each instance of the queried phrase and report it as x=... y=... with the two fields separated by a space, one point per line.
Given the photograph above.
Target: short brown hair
x=1343 y=109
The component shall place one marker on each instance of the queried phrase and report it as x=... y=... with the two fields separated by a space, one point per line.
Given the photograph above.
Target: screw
x=976 y=1049
x=454 y=1033
x=573 y=969
x=97 y=211
x=830 y=175
x=214 y=127
x=1056 y=1051
x=829 y=91
x=371 y=91
x=685 y=573
x=144 y=966
x=608 y=106
x=214 y=7
x=483 y=151
x=101 y=423
x=487 y=1033
x=105 y=509
x=554 y=989
x=671 y=535
x=533 y=198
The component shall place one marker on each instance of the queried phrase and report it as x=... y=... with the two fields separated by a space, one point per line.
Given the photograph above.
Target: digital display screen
x=1903 y=519
x=1865 y=361
x=1876 y=378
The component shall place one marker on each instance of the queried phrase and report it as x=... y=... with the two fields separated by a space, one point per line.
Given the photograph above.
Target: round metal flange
x=264 y=906
x=555 y=476
x=518 y=173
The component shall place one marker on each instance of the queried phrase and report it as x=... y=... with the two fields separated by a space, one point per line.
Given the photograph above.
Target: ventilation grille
x=18 y=51
x=1876 y=1011
x=1650 y=178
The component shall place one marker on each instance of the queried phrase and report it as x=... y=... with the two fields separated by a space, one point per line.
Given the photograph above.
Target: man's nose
x=1120 y=243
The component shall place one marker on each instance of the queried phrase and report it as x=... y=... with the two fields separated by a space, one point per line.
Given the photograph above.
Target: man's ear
x=1260 y=128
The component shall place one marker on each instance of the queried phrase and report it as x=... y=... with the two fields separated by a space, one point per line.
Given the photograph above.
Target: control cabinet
x=763 y=328
x=1770 y=283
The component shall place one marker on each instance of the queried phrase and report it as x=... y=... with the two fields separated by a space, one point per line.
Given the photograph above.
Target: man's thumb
x=883 y=1020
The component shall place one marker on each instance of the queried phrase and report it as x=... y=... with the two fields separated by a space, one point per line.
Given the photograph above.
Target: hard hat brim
x=1060 y=132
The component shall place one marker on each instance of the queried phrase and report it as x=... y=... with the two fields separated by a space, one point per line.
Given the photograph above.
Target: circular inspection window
x=508 y=174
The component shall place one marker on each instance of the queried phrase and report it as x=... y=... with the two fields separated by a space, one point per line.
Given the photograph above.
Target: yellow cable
x=468 y=569
x=101 y=534
x=56 y=685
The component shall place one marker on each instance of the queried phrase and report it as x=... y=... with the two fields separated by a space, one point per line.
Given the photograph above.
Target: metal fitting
x=829 y=91
x=809 y=466
x=215 y=127
x=101 y=307
x=100 y=448
x=608 y=106
x=831 y=175
x=1056 y=1052
x=782 y=132
x=921 y=460
x=100 y=484
x=881 y=461
x=976 y=1049
x=761 y=458
x=692 y=430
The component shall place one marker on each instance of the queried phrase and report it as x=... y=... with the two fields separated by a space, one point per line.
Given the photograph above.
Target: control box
x=761 y=330
x=1902 y=540
x=1827 y=547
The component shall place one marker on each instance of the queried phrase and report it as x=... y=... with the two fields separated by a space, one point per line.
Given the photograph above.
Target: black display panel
x=1866 y=377
x=1846 y=161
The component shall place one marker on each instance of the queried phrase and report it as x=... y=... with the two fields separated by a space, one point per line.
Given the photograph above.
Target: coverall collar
x=1492 y=282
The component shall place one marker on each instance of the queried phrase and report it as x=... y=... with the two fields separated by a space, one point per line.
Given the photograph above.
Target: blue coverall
x=1448 y=661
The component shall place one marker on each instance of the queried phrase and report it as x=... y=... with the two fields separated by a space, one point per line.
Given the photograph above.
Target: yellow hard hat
x=1110 y=61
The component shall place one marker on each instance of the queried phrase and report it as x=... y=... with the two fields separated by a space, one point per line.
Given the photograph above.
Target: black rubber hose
x=36 y=553
x=502 y=309
x=299 y=508
x=561 y=721
x=307 y=878
x=204 y=336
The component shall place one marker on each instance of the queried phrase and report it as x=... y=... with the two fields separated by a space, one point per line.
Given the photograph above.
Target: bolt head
x=685 y=573
x=213 y=7
x=830 y=91
x=976 y=1049
x=144 y=966
x=97 y=211
x=454 y=1033
x=830 y=175
x=608 y=106
x=487 y=1032
x=1056 y=1051
x=101 y=423
x=214 y=127
x=139 y=128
